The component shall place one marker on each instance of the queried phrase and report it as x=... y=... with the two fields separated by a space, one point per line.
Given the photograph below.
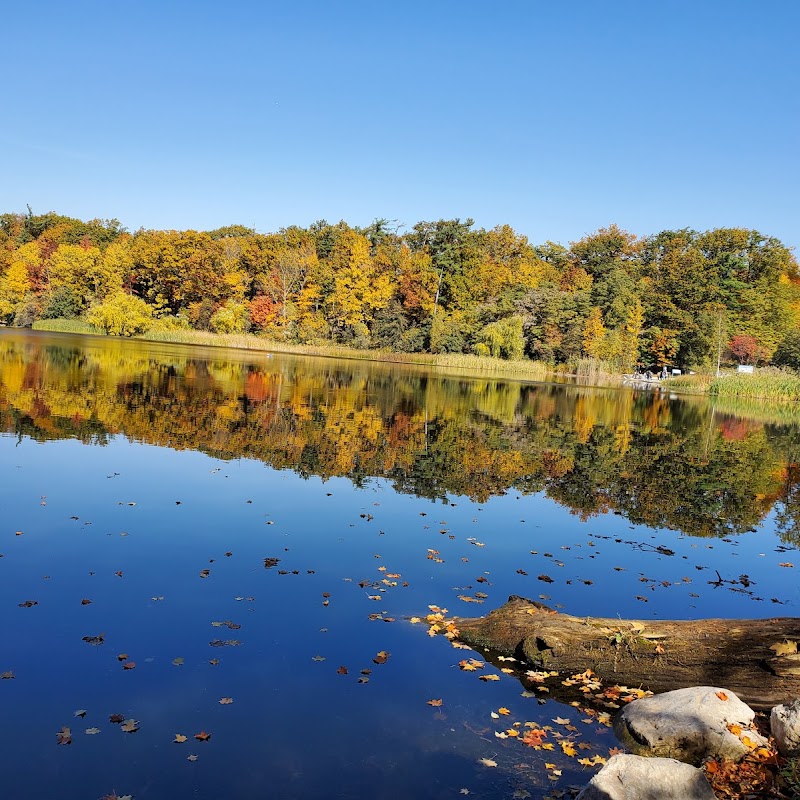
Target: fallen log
x=757 y=659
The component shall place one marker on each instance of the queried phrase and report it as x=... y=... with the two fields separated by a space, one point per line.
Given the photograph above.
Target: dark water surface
x=128 y=469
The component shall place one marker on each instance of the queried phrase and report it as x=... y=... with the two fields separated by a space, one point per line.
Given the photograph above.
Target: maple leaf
x=130 y=726
x=504 y=711
x=341 y=671
x=202 y=736
x=434 y=703
x=7 y=676
x=533 y=737
x=64 y=736
x=129 y=665
x=179 y=738
x=567 y=748
x=92 y=731
x=545 y=578
x=116 y=718
x=561 y=721
x=191 y=758
x=382 y=657
x=489 y=677
x=721 y=695
x=226 y=701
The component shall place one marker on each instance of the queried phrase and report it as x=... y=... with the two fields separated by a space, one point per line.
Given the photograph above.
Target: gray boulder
x=688 y=724
x=627 y=777
x=784 y=722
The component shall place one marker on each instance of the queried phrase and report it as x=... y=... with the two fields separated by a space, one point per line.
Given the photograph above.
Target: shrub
x=233 y=317
x=121 y=315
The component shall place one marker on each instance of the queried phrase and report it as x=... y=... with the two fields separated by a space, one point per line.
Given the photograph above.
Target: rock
x=688 y=724
x=784 y=722
x=627 y=777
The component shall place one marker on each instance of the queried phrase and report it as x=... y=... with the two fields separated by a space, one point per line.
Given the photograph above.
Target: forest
x=680 y=298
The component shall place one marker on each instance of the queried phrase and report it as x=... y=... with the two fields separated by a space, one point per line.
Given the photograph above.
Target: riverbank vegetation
x=439 y=288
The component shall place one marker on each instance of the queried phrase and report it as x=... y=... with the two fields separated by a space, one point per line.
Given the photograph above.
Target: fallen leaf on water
x=7 y=676
x=116 y=718
x=533 y=737
x=504 y=711
x=341 y=671
x=92 y=731
x=786 y=564
x=226 y=701
x=129 y=665
x=179 y=738
x=488 y=677
x=487 y=762
x=434 y=703
x=567 y=747
x=204 y=573
x=202 y=736
x=64 y=736
x=382 y=657
x=81 y=712
x=130 y=726
x=191 y=758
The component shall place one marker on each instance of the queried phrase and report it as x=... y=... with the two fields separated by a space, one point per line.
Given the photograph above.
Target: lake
x=229 y=545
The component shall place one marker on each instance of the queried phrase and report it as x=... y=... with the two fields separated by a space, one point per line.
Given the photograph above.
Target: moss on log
x=757 y=659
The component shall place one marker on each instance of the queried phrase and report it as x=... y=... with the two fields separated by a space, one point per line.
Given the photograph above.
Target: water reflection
x=678 y=463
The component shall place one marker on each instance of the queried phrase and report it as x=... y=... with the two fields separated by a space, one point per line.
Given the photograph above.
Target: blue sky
x=556 y=117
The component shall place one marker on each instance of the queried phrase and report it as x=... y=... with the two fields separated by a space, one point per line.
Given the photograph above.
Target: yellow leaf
x=179 y=738
x=504 y=711
x=487 y=762
x=567 y=747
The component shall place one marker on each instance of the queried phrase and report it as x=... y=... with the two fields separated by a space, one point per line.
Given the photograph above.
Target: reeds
x=521 y=368
x=64 y=326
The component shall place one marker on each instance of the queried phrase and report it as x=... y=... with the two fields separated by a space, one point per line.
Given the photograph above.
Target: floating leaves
x=64 y=736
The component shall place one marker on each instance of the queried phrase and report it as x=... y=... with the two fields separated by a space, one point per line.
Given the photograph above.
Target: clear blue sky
x=555 y=116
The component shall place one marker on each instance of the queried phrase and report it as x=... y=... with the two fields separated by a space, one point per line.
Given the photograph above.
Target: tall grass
x=768 y=384
x=64 y=326
x=522 y=368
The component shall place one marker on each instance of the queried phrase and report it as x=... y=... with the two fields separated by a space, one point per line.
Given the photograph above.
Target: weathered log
x=755 y=658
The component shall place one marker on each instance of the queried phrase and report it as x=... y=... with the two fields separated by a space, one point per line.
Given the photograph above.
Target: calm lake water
x=261 y=529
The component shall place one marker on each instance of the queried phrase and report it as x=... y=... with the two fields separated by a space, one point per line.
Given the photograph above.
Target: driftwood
x=757 y=659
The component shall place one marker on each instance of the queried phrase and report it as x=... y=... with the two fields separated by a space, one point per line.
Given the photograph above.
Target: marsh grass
x=768 y=384
x=457 y=362
x=64 y=326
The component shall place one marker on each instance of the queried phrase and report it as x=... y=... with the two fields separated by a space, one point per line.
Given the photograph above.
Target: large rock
x=784 y=722
x=688 y=724
x=627 y=777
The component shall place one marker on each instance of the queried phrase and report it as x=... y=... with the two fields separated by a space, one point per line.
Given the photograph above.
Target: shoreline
x=771 y=385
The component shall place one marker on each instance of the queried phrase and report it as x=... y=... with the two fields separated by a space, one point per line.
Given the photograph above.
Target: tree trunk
x=756 y=659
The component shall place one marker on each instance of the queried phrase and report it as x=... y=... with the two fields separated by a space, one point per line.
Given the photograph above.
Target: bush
x=121 y=315
x=788 y=352
x=27 y=312
x=61 y=303
x=233 y=317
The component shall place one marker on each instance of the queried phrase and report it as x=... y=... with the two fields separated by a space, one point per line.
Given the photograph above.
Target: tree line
x=674 y=298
